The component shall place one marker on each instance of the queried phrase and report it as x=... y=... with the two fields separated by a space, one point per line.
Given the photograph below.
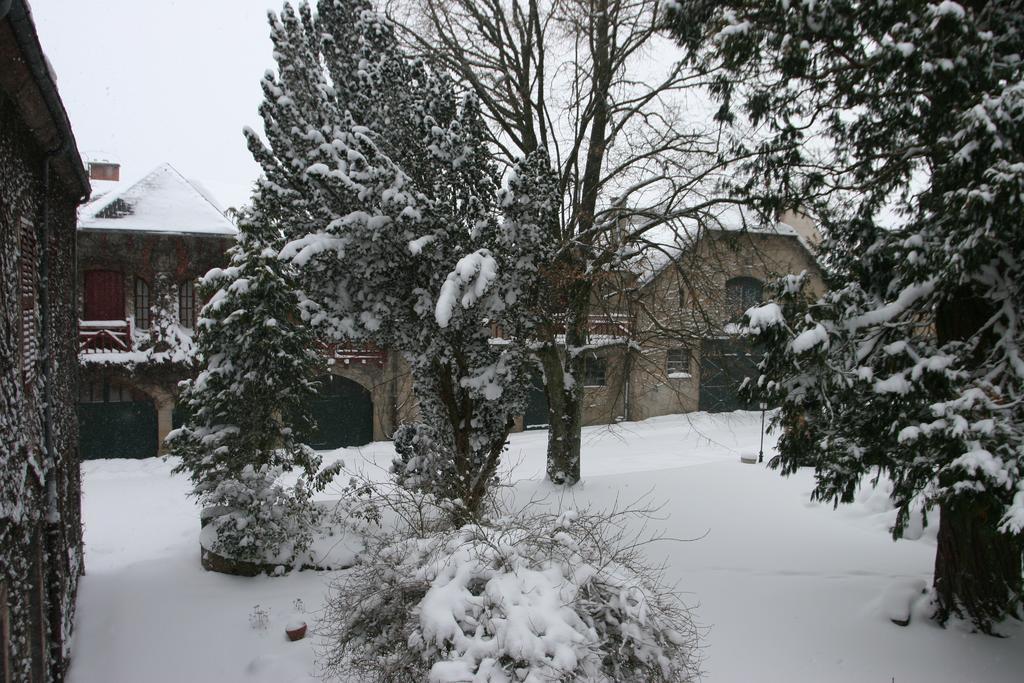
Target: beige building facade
x=683 y=351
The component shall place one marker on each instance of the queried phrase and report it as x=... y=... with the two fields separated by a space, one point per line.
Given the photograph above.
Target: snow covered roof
x=163 y=201
x=667 y=244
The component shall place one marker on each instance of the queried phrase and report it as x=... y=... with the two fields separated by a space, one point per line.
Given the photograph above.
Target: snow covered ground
x=789 y=590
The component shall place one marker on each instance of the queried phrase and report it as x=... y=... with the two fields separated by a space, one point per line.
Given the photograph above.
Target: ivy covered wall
x=40 y=523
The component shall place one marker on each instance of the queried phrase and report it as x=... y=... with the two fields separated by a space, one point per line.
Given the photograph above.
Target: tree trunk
x=564 y=387
x=565 y=413
x=977 y=568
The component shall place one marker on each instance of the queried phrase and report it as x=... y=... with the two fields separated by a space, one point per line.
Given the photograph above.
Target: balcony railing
x=96 y=336
x=610 y=324
x=349 y=353
x=602 y=324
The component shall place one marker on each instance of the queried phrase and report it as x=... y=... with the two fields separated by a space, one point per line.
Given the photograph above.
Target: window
x=740 y=294
x=677 y=362
x=187 y=304
x=142 y=314
x=104 y=392
x=594 y=371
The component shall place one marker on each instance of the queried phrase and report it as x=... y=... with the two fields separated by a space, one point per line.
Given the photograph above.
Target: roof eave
x=35 y=94
x=146 y=231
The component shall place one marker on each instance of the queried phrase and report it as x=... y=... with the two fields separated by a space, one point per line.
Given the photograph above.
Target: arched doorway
x=343 y=411
x=115 y=421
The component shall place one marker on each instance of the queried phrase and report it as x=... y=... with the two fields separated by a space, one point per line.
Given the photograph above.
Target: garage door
x=344 y=414
x=115 y=422
x=724 y=364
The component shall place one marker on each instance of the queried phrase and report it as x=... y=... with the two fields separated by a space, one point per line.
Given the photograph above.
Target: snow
x=808 y=339
x=763 y=317
x=789 y=590
x=466 y=284
x=948 y=8
x=163 y=201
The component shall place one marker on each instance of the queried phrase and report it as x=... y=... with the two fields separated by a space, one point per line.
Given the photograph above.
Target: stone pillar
x=164 y=411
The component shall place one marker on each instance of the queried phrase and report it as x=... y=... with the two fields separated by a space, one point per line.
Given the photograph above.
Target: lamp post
x=760 y=453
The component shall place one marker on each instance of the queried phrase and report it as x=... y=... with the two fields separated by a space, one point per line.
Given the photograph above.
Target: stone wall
x=674 y=311
x=686 y=304
x=40 y=520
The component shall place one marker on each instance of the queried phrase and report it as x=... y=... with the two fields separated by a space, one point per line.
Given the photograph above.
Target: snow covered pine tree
x=912 y=363
x=248 y=408
x=382 y=181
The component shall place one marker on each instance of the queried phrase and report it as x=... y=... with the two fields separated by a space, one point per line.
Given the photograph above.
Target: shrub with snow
x=261 y=520
x=536 y=596
x=420 y=462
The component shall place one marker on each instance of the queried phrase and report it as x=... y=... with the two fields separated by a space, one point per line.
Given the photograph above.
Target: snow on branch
x=466 y=284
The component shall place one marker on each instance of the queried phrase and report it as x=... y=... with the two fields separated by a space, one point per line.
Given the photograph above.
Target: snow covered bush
x=261 y=521
x=534 y=596
x=166 y=340
x=421 y=463
x=249 y=405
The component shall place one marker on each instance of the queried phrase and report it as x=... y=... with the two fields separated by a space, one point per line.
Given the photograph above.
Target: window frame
x=739 y=297
x=141 y=309
x=104 y=391
x=684 y=362
x=187 y=313
x=595 y=371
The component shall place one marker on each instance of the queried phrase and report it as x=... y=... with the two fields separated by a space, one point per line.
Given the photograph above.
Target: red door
x=104 y=295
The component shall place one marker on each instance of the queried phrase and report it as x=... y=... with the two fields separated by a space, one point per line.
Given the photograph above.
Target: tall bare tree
x=591 y=83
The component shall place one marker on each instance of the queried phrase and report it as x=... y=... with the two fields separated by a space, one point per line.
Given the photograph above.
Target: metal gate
x=724 y=364
x=115 y=428
x=344 y=414
x=536 y=415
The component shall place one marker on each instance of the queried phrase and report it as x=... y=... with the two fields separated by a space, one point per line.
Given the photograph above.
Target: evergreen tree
x=248 y=407
x=380 y=177
x=901 y=125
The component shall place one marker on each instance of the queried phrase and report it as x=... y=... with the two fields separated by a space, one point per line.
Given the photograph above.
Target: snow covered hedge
x=537 y=596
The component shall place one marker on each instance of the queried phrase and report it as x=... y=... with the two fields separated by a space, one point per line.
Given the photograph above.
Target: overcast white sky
x=148 y=81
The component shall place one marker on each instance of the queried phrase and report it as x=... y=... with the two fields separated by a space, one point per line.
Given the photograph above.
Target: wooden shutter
x=104 y=295
x=27 y=339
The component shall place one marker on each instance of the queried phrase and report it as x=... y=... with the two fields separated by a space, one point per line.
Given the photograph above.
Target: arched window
x=141 y=308
x=741 y=293
x=187 y=304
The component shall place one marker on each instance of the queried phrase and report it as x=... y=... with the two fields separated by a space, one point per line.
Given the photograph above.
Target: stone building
x=142 y=249
x=664 y=332
x=42 y=181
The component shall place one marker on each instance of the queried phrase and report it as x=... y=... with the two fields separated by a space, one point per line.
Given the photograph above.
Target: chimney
x=104 y=170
